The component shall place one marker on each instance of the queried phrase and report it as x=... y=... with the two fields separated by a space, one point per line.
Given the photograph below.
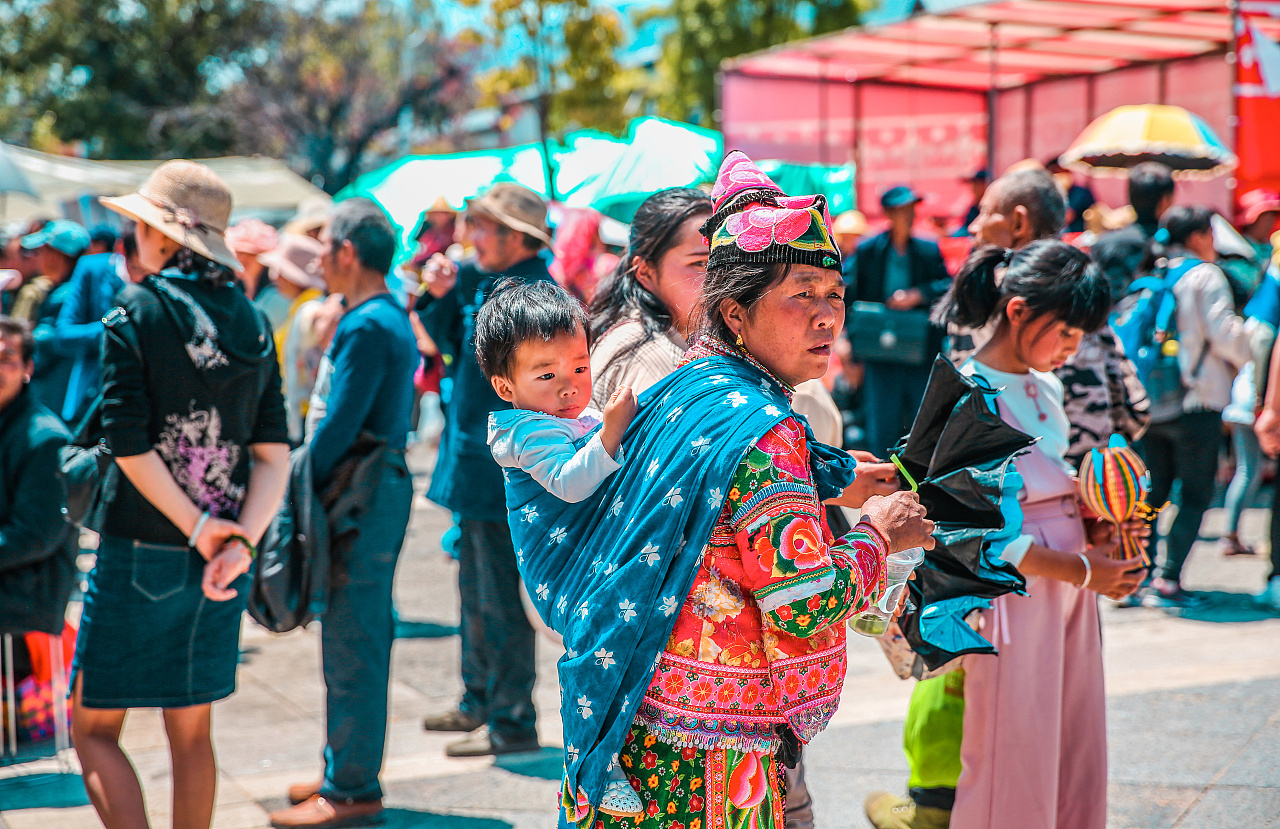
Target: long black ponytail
x=1051 y=276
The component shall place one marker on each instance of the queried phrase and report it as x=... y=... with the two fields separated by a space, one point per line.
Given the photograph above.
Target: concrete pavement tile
x=1259 y=762
x=878 y=749
x=81 y=817
x=240 y=816
x=242 y=752
x=405 y=818
x=1224 y=806
x=838 y=795
x=143 y=729
x=1145 y=806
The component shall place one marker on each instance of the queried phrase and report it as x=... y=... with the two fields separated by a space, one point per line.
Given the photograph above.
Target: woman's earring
x=739 y=341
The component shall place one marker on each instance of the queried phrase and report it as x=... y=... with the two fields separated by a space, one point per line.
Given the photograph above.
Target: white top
x=1026 y=397
x=542 y=445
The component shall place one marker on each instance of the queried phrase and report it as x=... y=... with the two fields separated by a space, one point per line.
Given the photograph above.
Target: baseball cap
x=1256 y=202
x=899 y=196
x=61 y=235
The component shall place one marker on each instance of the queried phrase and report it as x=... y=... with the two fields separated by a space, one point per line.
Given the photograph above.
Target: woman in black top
x=193 y=414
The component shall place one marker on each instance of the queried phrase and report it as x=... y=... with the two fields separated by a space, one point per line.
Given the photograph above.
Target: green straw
x=911 y=482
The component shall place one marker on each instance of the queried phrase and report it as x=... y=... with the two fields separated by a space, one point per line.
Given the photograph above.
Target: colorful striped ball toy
x=1114 y=483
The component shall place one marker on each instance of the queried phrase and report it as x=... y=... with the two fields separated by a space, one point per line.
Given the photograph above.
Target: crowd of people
x=727 y=351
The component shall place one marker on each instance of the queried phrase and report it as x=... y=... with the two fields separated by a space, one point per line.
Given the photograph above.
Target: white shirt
x=1026 y=397
x=542 y=445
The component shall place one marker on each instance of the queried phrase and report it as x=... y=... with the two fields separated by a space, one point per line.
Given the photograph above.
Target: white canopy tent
x=69 y=186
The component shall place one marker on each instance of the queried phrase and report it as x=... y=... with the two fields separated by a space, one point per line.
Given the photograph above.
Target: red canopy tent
x=933 y=90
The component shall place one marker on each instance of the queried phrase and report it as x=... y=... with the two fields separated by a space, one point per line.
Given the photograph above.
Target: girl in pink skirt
x=1034 y=753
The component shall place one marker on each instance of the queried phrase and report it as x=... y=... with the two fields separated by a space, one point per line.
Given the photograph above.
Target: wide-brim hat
x=899 y=196
x=440 y=205
x=297 y=259
x=515 y=206
x=187 y=202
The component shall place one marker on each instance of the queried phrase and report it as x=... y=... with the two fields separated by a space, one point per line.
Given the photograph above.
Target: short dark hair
x=1149 y=183
x=529 y=241
x=517 y=311
x=20 y=328
x=129 y=238
x=1039 y=194
x=1182 y=220
x=362 y=222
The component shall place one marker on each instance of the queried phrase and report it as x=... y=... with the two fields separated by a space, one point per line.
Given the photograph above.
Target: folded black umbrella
x=960 y=454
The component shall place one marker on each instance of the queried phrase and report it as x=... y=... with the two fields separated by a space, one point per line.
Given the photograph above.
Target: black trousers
x=497 y=639
x=1186 y=450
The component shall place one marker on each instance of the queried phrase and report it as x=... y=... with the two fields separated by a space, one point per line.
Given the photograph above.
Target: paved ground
x=1194 y=707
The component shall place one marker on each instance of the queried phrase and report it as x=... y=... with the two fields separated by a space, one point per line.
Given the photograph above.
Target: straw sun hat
x=188 y=203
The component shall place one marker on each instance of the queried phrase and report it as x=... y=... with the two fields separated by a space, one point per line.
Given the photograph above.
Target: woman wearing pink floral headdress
x=755 y=658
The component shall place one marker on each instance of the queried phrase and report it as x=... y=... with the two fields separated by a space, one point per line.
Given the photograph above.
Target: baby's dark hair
x=1051 y=276
x=517 y=311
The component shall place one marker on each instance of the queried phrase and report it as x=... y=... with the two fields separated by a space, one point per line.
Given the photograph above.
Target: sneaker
x=484 y=743
x=887 y=811
x=1269 y=598
x=455 y=720
x=620 y=800
x=1175 y=599
x=318 y=812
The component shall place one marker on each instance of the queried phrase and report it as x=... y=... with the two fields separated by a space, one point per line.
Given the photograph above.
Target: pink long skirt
x=1034 y=752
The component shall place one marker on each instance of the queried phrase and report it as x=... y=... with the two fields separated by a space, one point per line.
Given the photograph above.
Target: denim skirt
x=148 y=637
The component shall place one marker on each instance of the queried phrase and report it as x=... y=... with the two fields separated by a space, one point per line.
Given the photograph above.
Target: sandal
x=1229 y=545
x=620 y=800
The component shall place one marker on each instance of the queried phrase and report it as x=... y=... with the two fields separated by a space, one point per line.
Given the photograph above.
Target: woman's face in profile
x=677 y=279
x=793 y=327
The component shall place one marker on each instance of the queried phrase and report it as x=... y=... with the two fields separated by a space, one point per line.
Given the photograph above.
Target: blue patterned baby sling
x=610 y=572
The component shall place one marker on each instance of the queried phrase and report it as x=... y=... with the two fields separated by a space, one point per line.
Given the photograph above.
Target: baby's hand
x=618 y=414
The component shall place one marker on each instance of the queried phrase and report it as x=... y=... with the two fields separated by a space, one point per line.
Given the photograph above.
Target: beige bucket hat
x=515 y=206
x=297 y=259
x=187 y=202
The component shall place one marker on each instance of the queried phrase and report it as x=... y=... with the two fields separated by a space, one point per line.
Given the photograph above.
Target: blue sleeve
x=78 y=329
x=1265 y=304
x=359 y=375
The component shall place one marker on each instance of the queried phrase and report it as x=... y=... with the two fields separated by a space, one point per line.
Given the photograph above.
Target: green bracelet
x=253 y=551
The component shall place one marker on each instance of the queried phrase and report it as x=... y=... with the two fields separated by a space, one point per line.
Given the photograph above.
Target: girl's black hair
x=1051 y=276
x=517 y=311
x=743 y=282
x=1176 y=226
x=202 y=268
x=654 y=231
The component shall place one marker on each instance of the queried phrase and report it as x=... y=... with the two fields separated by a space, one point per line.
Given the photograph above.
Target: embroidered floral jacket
x=760 y=640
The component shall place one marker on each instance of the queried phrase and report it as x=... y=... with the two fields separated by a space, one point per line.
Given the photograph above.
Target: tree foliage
x=337 y=82
x=319 y=84
x=126 y=78
x=566 y=61
x=709 y=31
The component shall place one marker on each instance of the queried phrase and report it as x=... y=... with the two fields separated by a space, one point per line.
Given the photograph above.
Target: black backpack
x=291 y=574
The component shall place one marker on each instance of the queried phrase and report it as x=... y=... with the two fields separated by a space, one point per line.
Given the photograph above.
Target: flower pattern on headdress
x=755 y=221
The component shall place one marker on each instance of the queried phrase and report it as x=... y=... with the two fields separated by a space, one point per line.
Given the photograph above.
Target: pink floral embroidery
x=739 y=173
x=758 y=227
x=802 y=543
x=200 y=461
x=785 y=446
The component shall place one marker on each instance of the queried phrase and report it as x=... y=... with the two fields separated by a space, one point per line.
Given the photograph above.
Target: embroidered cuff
x=801 y=586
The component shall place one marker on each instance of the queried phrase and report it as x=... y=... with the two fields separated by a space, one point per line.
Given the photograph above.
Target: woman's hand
x=214 y=534
x=872 y=478
x=1099 y=531
x=223 y=568
x=1110 y=577
x=900 y=518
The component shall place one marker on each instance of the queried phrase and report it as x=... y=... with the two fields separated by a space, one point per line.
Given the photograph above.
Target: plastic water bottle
x=898 y=569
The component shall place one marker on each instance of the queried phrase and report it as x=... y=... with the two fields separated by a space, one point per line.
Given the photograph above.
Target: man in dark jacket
x=37 y=555
x=904 y=273
x=508 y=227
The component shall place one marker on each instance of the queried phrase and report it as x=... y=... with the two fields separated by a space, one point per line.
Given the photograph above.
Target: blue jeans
x=892 y=396
x=356 y=632
x=1248 y=478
